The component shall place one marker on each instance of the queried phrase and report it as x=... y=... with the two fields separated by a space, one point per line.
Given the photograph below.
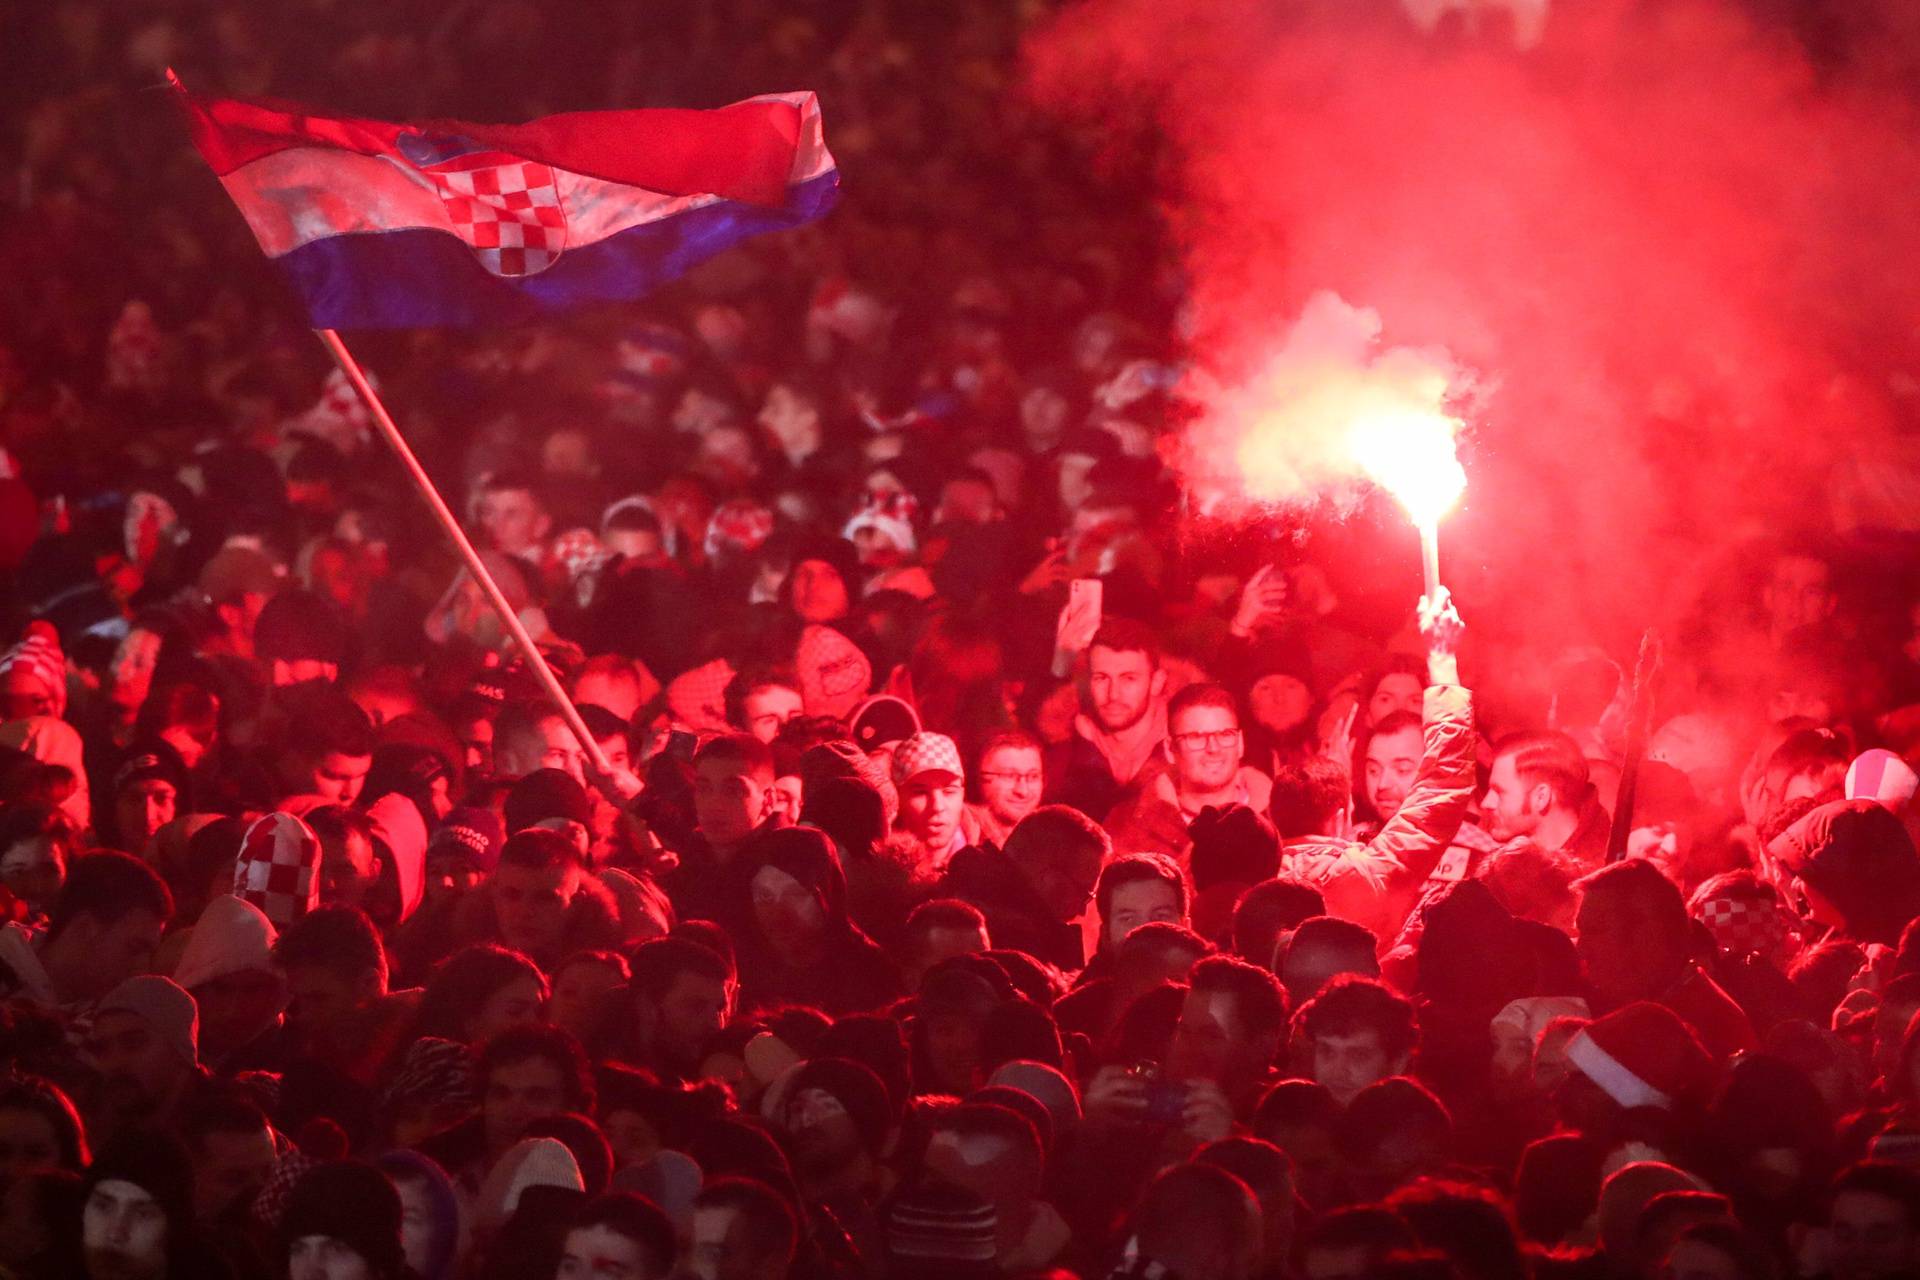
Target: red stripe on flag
x=743 y=152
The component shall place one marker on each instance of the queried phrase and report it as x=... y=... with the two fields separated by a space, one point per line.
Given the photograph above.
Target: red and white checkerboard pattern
x=509 y=213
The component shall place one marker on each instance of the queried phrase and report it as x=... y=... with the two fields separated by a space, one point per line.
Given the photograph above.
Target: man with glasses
x=1011 y=780
x=1203 y=767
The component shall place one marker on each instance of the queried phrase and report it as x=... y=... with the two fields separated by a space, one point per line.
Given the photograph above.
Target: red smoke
x=1679 y=255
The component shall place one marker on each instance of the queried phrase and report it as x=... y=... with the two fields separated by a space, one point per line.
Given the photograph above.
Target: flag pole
x=475 y=566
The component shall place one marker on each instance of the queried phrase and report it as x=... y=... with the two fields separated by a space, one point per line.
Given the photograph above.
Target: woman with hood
x=801 y=947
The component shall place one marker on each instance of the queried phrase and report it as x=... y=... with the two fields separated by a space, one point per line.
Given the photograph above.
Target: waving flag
x=385 y=226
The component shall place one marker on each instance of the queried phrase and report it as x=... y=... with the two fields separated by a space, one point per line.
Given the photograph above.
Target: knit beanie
x=38 y=654
x=1883 y=777
x=150 y=760
x=834 y=673
x=230 y=937
x=1858 y=856
x=353 y=1203
x=165 y=1006
x=1232 y=844
x=1642 y=1055
x=855 y=1086
x=476 y=834
x=531 y=1162
x=545 y=794
x=154 y=1161
x=1746 y=919
x=434 y=1070
x=279 y=868
x=940 y=1231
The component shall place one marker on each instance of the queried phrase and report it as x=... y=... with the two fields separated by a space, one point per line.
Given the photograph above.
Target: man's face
x=236 y=1007
x=1799 y=593
x=1043 y=418
x=693 y=1009
x=517 y=1094
x=1347 y=1064
x=1396 y=691
x=942 y=943
x=553 y=747
x=117 y=951
x=325 y=1258
x=1206 y=748
x=1010 y=782
x=230 y=1169
x=512 y=520
x=1871 y=1237
x=930 y=805
x=1613 y=953
x=142 y=808
x=347 y=869
x=337 y=778
x=27 y=1143
x=767 y=709
x=24 y=694
x=601 y=1253
x=33 y=869
x=476 y=736
x=1136 y=903
x=1210 y=1041
x=727 y=803
x=123 y=1233
x=819 y=592
x=139 y=1073
x=319 y=1002
x=1510 y=808
x=1123 y=685
x=1393 y=760
x=788 y=913
x=1280 y=702
x=722 y=1248
x=531 y=905
x=791 y=419
x=820 y=1133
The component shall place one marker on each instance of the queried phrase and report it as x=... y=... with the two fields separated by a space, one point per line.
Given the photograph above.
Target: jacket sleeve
x=1420 y=832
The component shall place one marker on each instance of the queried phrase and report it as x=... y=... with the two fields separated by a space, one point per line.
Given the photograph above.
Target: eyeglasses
x=1031 y=779
x=1214 y=741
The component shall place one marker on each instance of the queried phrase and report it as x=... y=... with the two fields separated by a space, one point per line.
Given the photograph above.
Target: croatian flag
x=386 y=226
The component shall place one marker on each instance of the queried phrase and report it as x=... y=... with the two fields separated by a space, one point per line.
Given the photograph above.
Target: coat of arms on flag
x=507 y=209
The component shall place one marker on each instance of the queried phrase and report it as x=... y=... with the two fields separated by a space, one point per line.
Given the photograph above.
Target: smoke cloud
x=1676 y=247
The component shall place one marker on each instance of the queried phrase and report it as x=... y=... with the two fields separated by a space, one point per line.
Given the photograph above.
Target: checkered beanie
x=38 y=654
x=279 y=868
x=739 y=527
x=579 y=552
x=1747 y=923
x=925 y=753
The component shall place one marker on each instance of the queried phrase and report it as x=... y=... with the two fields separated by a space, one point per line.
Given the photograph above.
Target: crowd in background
x=980 y=868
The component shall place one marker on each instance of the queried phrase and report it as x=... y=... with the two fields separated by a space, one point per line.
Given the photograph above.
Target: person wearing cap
x=343 y=1222
x=136 y=1216
x=933 y=814
x=838 y=1124
x=147 y=790
x=33 y=676
x=880 y=724
x=237 y=583
x=227 y=967
x=144 y=1046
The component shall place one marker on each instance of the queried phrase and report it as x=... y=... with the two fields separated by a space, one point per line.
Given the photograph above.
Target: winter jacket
x=1376 y=883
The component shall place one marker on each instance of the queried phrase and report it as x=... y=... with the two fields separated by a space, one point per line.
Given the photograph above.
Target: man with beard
x=136 y=1219
x=682 y=995
x=1123 y=721
x=144 y=1044
x=837 y=1122
x=1202 y=752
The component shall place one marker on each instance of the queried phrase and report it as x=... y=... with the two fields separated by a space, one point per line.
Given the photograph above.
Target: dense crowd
x=987 y=873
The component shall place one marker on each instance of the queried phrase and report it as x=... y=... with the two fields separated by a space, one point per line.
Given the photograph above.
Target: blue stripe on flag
x=425 y=278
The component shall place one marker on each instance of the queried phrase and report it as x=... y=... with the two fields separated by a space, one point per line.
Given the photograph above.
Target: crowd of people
x=975 y=871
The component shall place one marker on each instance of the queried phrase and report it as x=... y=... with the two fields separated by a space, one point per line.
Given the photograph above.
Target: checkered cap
x=279 y=868
x=740 y=526
x=926 y=753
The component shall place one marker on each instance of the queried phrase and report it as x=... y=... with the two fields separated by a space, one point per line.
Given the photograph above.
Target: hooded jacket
x=849 y=973
x=1016 y=917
